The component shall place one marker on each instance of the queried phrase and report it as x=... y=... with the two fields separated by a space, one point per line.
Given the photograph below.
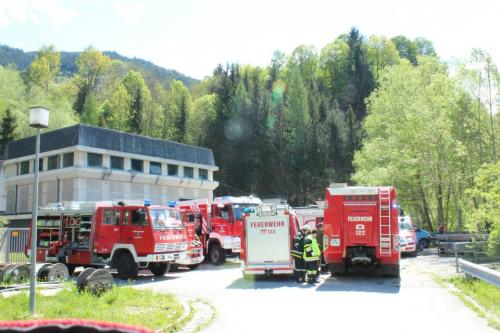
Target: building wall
x=81 y=182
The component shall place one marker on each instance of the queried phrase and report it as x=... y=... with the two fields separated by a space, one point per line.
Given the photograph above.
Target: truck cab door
x=136 y=229
x=107 y=231
x=221 y=220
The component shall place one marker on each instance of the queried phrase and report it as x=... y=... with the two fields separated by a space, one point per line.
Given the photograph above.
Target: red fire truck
x=124 y=235
x=266 y=239
x=219 y=223
x=195 y=248
x=361 y=228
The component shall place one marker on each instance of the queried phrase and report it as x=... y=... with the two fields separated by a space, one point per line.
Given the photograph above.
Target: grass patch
x=121 y=304
x=485 y=294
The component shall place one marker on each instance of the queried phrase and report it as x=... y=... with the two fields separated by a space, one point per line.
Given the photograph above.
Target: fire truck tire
x=193 y=267
x=392 y=271
x=337 y=269
x=126 y=266
x=81 y=280
x=159 y=268
x=173 y=268
x=217 y=255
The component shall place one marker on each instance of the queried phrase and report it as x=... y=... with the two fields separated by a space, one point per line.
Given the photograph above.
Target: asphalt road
x=356 y=303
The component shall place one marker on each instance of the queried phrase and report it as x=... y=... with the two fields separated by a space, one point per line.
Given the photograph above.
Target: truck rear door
x=359 y=221
x=267 y=239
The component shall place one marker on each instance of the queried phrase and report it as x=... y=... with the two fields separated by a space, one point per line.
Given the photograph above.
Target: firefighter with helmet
x=312 y=255
x=298 y=253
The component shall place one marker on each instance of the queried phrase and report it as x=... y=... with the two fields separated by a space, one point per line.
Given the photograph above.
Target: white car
x=407 y=236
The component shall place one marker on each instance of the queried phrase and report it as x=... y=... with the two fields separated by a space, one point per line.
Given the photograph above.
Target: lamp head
x=39 y=117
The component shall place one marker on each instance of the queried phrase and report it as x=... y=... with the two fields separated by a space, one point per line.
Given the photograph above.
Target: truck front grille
x=170 y=247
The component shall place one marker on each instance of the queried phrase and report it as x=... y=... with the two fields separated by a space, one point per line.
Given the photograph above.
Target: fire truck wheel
x=126 y=266
x=193 y=267
x=158 y=268
x=391 y=271
x=337 y=269
x=217 y=255
x=173 y=268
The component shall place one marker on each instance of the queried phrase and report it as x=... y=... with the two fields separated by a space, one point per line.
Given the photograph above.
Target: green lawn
x=121 y=304
x=484 y=294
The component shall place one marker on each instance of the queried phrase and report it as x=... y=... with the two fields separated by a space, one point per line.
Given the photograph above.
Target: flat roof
x=103 y=138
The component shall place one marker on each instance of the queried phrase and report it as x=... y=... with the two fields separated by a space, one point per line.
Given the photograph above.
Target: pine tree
x=7 y=130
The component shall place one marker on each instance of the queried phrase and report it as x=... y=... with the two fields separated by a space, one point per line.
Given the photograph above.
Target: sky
x=193 y=36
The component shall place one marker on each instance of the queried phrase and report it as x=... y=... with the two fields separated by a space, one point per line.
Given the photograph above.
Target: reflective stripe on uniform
x=311 y=259
x=299 y=270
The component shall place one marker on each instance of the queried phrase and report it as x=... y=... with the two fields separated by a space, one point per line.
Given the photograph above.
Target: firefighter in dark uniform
x=299 y=271
x=323 y=268
x=311 y=256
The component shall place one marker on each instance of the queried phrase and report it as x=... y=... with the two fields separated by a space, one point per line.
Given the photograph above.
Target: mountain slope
x=22 y=60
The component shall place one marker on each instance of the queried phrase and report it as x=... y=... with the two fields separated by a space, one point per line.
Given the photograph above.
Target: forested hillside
x=22 y=60
x=372 y=110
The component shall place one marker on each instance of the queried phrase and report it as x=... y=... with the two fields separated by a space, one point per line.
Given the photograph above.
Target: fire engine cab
x=361 y=228
x=219 y=223
x=266 y=239
x=124 y=235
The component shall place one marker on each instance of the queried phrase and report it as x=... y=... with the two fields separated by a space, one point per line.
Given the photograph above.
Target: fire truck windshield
x=166 y=219
x=405 y=226
x=239 y=208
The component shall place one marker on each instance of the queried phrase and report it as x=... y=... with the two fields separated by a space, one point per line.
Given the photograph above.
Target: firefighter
x=311 y=256
x=299 y=271
x=322 y=263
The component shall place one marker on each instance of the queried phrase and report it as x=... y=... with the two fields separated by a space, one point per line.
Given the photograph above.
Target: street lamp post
x=39 y=118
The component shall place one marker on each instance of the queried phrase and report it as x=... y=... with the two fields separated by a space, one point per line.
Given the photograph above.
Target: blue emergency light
x=147 y=202
x=172 y=203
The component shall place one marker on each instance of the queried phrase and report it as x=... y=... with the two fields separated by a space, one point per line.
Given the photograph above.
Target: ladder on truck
x=385 y=244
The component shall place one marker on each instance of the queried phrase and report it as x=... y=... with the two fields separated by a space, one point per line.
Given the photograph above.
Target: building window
x=94 y=160
x=188 y=172
x=173 y=170
x=155 y=168
x=24 y=168
x=40 y=164
x=116 y=162
x=53 y=162
x=137 y=165
x=203 y=174
x=68 y=160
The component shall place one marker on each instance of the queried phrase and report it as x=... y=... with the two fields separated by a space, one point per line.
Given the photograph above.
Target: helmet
x=306 y=227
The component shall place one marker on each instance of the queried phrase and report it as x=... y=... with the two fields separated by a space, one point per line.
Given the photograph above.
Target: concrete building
x=86 y=163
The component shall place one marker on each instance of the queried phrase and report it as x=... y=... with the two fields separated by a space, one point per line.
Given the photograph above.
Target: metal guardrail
x=480 y=272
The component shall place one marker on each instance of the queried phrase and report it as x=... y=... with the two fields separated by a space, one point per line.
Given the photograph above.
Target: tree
x=7 y=130
x=90 y=113
x=44 y=67
x=116 y=110
x=484 y=205
x=406 y=48
x=181 y=99
x=91 y=65
x=424 y=47
x=140 y=119
x=410 y=103
x=381 y=52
